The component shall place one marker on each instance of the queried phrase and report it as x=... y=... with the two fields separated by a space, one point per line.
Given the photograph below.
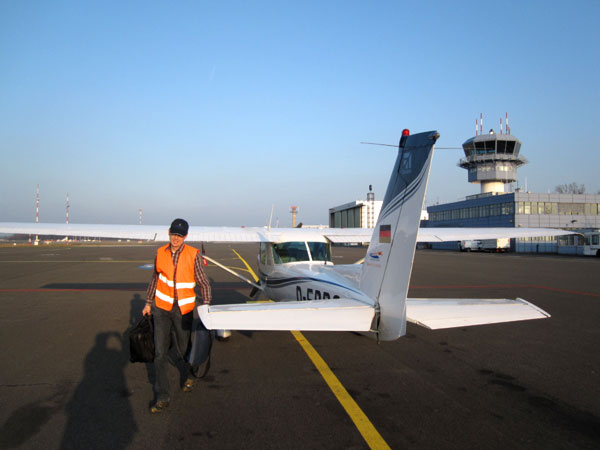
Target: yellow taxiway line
x=371 y=436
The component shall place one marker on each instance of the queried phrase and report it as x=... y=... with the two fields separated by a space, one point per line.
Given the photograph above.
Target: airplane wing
x=142 y=232
x=460 y=312
x=159 y=233
x=342 y=314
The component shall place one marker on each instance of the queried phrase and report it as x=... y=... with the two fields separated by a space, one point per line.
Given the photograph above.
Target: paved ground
x=66 y=382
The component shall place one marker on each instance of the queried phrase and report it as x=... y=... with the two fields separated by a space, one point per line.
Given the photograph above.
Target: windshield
x=290 y=252
x=286 y=252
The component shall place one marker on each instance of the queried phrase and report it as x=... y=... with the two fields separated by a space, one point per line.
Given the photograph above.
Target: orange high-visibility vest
x=165 y=286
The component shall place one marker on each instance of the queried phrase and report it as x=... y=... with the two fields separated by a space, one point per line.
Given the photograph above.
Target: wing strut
x=233 y=272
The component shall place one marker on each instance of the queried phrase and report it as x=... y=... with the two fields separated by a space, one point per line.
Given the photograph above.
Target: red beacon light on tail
x=405 y=135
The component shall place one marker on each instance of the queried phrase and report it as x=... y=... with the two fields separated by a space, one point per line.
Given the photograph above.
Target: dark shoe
x=189 y=384
x=158 y=407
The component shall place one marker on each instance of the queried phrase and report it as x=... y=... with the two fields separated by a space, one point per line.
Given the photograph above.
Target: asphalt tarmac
x=66 y=381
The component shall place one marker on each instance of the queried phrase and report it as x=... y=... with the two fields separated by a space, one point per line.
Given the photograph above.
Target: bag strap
x=150 y=321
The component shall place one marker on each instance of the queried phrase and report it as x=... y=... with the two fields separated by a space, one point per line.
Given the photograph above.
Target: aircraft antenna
x=396 y=145
x=271 y=217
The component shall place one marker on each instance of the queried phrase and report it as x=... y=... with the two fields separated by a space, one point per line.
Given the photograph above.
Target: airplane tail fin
x=388 y=263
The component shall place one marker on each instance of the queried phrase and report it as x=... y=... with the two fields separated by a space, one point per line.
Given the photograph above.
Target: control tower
x=492 y=160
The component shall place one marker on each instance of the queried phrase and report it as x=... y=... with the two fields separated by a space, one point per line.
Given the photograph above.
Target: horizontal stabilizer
x=314 y=315
x=456 y=312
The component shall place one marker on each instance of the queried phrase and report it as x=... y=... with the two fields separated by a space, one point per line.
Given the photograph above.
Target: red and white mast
x=481 y=123
x=37 y=204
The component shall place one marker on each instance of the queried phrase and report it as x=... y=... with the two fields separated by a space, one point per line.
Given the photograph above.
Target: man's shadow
x=99 y=413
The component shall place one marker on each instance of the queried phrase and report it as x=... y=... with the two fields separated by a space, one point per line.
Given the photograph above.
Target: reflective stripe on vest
x=165 y=285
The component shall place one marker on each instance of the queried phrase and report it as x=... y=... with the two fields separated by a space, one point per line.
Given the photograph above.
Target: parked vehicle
x=485 y=245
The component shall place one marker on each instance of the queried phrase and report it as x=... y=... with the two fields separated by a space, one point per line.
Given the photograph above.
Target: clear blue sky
x=214 y=111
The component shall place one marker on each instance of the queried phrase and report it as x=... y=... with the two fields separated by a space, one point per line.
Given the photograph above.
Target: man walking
x=171 y=300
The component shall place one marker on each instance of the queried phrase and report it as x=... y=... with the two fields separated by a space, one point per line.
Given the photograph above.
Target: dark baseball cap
x=179 y=227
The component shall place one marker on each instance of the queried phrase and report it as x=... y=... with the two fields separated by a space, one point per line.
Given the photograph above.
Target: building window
x=540 y=209
x=591 y=209
x=520 y=208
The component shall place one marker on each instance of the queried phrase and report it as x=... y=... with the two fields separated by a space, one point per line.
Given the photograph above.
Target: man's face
x=176 y=241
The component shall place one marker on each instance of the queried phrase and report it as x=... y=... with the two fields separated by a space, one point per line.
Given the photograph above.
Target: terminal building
x=492 y=161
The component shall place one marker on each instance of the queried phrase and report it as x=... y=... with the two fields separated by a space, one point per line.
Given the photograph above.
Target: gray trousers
x=164 y=322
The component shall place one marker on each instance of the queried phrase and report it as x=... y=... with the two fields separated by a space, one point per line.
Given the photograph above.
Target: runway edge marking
x=371 y=436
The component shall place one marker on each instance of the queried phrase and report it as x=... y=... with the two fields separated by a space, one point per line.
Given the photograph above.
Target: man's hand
x=147 y=311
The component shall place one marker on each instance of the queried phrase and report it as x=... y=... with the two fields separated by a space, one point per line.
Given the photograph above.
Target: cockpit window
x=290 y=252
x=286 y=252
x=319 y=251
x=263 y=253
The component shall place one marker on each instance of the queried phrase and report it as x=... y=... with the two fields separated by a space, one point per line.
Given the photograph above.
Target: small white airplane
x=311 y=293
